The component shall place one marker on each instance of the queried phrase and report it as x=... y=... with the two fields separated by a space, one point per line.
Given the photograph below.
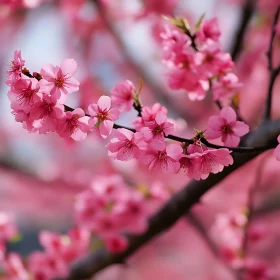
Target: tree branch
x=166 y=217
x=274 y=72
x=247 y=13
x=169 y=214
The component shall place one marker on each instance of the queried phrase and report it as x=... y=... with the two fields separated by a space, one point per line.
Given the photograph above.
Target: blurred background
x=112 y=41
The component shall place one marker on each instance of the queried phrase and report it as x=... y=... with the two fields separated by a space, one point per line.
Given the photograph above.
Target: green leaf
x=16 y=238
x=197 y=26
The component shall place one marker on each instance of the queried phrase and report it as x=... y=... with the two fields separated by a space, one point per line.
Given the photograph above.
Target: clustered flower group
x=38 y=101
x=105 y=212
x=196 y=62
x=109 y=209
x=230 y=231
x=59 y=252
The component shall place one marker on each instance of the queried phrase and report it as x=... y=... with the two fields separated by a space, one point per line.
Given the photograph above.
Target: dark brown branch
x=166 y=217
x=247 y=13
x=274 y=72
x=169 y=214
x=191 y=141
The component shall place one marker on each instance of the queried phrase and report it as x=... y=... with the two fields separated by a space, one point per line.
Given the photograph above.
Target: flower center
x=157 y=130
x=59 y=83
x=227 y=129
x=162 y=155
x=102 y=116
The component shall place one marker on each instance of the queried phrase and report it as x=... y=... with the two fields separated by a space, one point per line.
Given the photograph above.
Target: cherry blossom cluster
x=59 y=252
x=229 y=231
x=196 y=62
x=111 y=208
x=38 y=101
x=105 y=212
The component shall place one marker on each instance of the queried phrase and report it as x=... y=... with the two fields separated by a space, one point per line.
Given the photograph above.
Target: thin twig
x=192 y=141
x=274 y=72
x=247 y=13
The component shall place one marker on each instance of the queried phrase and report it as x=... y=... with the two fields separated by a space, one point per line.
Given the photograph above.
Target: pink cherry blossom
x=148 y=115
x=27 y=122
x=225 y=87
x=116 y=244
x=227 y=127
x=209 y=59
x=47 y=265
x=103 y=116
x=74 y=124
x=191 y=82
x=213 y=161
x=126 y=145
x=48 y=112
x=157 y=128
x=132 y=213
x=163 y=158
x=24 y=94
x=122 y=95
x=76 y=244
x=175 y=47
x=59 y=81
x=15 y=268
x=209 y=29
x=51 y=242
x=190 y=164
x=14 y=73
x=7 y=229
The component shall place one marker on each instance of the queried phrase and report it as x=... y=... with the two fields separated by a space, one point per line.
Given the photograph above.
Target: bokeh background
x=120 y=40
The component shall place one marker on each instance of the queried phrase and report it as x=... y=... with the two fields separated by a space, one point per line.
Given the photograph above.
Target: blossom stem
x=192 y=141
x=246 y=15
x=274 y=72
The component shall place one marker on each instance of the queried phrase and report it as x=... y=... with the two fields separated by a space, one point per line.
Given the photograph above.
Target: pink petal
x=59 y=111
x=114 y=114
x=79 y=135
x=212 y=134
x=71 y=85
x=83 y=123
x=231 y=140
x=175 y=151
x=160 y=118
x=48 y=72
x=168 y=128
x=228 y=114
x=93 y=109
x=123 y=134
x=156 y=145
x=104 y=102
x=80 y=112
x=240 y=128
x=215 y=122
x=69 y=66
x=105 y=128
